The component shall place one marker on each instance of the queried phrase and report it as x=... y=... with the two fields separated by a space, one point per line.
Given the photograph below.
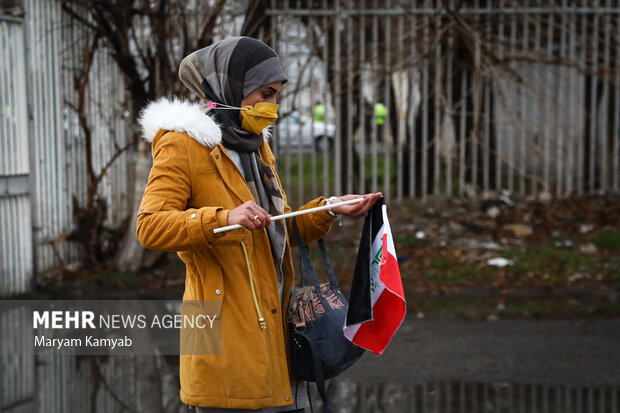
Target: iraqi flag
x=377 y=303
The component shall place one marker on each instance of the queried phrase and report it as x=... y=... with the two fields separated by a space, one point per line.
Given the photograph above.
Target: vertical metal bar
x=338 y=99
x=512 y=157
x=414 y=82
x=399 y=110
x=486 y=170
x=500 y=119
x=561 y=106
x=349 y=105
x=300 y=149
x=424 y=148
x=313 y=158
x=616 y=131
x=525 y=44
x=582 y=113
x=571 y=131
x=549 y=103
x=362 y=103
x=476 y=116
x=540 y=106
x=593 y=106
x=462 y=133
x=604 y=168
x=449 y=113
x=274 y=42
x=438 y=138
x=375 y=96
x=325 y=31
x=387 y=127
x=289 y=106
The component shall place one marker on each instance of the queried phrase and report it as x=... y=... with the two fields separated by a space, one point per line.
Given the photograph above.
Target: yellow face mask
x=258 y=117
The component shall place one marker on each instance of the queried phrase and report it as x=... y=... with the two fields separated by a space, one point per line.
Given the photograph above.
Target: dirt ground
x=552 y=258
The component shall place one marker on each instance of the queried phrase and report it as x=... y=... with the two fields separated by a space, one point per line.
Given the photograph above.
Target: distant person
x=380 y=113
x=318 y=112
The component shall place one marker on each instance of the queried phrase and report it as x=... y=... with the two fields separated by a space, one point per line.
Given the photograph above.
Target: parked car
x=294 y=130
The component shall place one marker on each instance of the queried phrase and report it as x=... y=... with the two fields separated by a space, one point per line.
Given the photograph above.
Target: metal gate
x=482 y=96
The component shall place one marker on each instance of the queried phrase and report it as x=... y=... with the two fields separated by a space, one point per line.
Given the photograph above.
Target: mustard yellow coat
x=192 y=186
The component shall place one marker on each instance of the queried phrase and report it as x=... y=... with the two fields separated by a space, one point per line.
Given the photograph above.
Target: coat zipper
x=261 y=320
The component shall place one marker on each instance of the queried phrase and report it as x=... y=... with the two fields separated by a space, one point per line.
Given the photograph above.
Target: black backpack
x=319 y=348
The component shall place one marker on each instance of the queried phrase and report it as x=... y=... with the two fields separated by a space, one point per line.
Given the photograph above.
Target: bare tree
x=147 y=40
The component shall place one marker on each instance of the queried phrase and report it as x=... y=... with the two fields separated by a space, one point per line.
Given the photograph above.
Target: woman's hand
x=250 y=215
x=356 y=210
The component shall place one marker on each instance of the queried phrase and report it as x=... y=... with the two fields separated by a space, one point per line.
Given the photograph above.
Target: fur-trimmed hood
x=182 y=116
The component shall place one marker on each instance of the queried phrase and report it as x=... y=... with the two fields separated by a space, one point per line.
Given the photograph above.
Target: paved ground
x=551 y=352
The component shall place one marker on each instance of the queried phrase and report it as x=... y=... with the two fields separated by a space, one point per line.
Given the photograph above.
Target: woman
x=217 y=170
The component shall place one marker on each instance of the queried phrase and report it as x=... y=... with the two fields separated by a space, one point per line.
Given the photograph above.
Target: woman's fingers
x=260 y=217
x=359 y=209
x=250 y=215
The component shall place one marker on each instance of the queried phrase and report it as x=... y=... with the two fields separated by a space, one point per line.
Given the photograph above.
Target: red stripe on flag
x=390 y=273
x=388 y=313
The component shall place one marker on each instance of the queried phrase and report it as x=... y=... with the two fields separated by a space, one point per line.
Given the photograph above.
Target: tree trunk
x=130 y=253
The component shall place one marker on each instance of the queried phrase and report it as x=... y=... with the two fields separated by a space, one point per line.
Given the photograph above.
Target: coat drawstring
x=261 y=320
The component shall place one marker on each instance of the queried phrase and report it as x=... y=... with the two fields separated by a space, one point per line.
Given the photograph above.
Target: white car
x=294 y=130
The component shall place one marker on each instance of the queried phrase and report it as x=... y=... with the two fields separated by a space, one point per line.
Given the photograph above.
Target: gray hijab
x=226 y=72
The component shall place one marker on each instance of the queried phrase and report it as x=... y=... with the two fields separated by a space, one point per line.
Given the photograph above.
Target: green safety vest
x=318 y=113
x=380 y=113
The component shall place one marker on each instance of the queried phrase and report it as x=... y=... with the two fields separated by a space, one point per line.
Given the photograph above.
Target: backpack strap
x=330 y=271
x=308 y=273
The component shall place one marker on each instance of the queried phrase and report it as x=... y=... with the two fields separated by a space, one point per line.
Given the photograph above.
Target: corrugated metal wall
x=52 y=213
x=16 y=264
x=40 y=57
x=55 y=55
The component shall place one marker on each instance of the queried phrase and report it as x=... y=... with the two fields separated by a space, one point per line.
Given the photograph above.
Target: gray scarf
x=226 y=72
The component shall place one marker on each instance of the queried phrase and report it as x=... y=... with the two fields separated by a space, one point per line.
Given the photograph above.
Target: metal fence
x=484 y=97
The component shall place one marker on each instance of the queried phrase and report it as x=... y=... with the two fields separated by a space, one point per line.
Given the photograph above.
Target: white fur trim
x=182 y=116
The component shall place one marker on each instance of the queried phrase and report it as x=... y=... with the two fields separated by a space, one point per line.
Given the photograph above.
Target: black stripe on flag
x=360 y=306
